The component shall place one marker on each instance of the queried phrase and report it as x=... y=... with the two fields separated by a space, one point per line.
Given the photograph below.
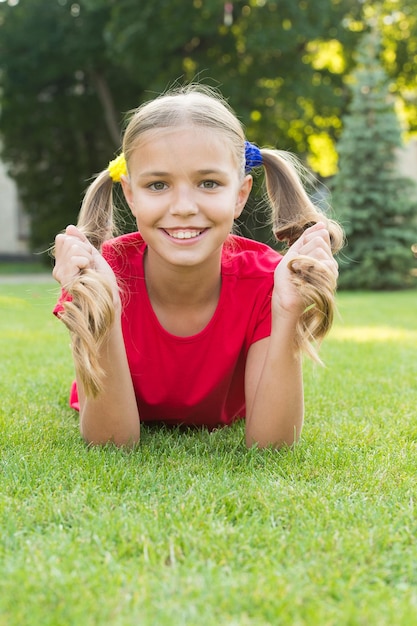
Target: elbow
x=127 y=441
x=272 y=441
x=129 y=444
x=99 y=429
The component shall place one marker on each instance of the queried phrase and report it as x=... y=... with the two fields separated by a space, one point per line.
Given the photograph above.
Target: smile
x=184 y=234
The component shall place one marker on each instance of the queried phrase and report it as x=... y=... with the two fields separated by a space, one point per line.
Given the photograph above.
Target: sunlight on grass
x=193 y=528
x=373 y=334
x=12 y=302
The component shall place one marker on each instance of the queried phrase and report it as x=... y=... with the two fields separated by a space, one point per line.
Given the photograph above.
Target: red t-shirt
x=195 y=380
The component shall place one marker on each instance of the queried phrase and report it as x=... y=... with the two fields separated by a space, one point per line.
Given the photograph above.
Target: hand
x=314 y=244
x=74 y=253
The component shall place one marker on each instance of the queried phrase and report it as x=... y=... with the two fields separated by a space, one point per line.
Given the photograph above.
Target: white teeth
x=185 y=234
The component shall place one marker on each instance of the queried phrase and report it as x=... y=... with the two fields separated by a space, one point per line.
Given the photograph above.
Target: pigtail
x=89 y=313
x=293 y=212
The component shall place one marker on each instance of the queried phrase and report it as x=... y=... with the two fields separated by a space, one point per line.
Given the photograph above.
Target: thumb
x=307 y=235
x=73 y=231
x=294 y=250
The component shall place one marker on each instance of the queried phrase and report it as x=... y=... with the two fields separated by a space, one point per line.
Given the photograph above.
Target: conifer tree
x=376 y=205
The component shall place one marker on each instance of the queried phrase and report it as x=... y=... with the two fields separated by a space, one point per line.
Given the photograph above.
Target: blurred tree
x=70 y=69
x=377 y=206
x=54 y=71
x=280 y=63
x=396 y=20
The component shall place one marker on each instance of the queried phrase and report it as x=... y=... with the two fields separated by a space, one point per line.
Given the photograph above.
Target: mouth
x=184 y=233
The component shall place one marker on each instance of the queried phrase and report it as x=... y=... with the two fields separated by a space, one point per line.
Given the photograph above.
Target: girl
x=183 y=322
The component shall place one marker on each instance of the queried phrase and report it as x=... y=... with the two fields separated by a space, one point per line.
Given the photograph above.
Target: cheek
x=142 y=217
x=143 y=209
x=223 y=209
x=227 y=218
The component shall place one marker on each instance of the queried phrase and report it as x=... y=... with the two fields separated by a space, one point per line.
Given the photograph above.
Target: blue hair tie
x=253 y=156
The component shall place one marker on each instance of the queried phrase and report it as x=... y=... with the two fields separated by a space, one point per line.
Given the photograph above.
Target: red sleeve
x=73 y=399
x=262 y=328
x=59 y=307
x=261 y=322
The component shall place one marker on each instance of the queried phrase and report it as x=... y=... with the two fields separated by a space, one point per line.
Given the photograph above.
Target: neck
x=182 y=286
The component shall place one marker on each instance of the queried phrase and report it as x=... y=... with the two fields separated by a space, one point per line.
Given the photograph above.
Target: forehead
x=178 y=142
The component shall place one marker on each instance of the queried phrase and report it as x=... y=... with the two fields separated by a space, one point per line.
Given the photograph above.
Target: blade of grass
x=193 y=528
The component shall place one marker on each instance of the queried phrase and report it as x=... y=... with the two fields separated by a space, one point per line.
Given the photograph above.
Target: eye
x=157 y=186
x=209 y=184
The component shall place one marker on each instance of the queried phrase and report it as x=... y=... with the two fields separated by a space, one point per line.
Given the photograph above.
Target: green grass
x=192 y=528
x=10 y=268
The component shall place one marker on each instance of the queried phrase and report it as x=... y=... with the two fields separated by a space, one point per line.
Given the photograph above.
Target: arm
x=273 y=377
x=274 y=389
x=113 y=415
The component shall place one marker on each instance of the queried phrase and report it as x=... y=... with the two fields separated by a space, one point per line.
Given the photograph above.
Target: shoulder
x=127 y=248
x=248 y=258
x=128 y=242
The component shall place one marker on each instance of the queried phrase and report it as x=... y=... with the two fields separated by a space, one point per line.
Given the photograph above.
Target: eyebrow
x=203 y=172
x=156 y=174
x=211 y=170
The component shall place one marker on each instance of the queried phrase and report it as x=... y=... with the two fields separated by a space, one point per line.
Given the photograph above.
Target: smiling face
x=185 y=190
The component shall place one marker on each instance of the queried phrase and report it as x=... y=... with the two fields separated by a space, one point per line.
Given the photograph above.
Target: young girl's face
x=185 y=190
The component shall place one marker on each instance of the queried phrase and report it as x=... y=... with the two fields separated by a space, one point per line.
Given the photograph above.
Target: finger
x=317 y=226
x=315 y=232
x=320 y=241
x=73 y=231
x=71 y=256
x=320 y=261
x=81 y=262
x=80 y=249
x=317 y=250
x=72 y=260
x=319 y=231
x=330 y=265
x=59 y=243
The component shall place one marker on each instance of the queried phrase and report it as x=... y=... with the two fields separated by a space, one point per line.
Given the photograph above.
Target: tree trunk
x=110 y=115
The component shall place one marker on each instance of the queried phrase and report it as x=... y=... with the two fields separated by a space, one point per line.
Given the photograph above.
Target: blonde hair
x=90 y=313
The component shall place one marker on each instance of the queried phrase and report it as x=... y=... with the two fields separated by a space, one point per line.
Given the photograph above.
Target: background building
x=14 y=224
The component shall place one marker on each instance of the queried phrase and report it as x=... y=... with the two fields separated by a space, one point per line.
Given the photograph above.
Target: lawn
x=194 y=529
x=35 y=266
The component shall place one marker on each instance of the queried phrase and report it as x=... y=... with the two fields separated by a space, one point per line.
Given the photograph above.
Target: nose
x=183 y=201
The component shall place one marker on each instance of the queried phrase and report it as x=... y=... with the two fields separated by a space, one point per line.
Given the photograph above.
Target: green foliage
x=376 y=205
x=193 y=528
x=53 y=62
x=71 y=70
x=397 y=22
x=11 y=268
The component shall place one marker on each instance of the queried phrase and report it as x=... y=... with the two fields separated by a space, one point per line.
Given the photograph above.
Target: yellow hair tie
x=117 y=168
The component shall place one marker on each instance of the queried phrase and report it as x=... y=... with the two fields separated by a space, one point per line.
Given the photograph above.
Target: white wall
x=407 y=160
x=13 y=224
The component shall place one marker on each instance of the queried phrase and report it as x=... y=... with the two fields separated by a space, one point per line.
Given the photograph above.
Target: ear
x=127 y=190
x=243 y=194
